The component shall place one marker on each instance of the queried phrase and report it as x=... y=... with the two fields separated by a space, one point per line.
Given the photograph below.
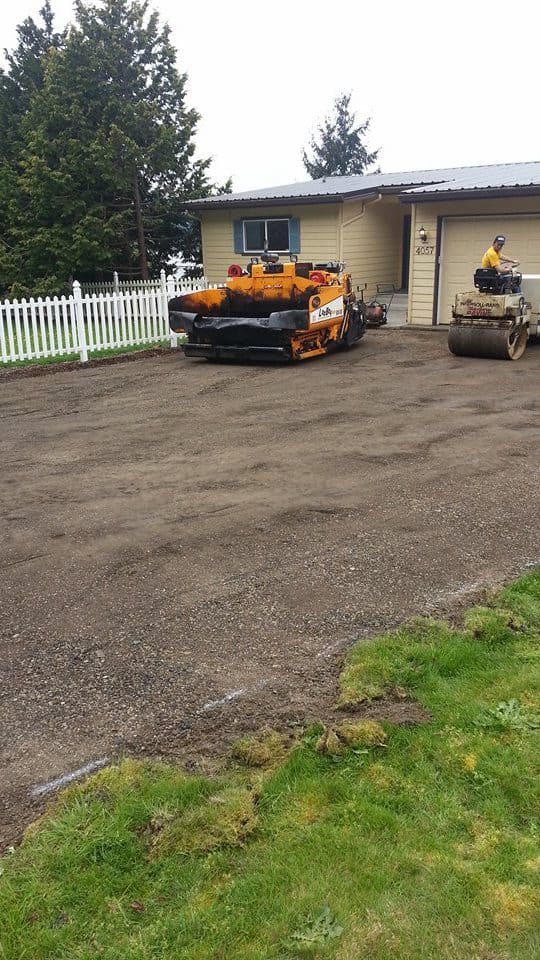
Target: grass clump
x=329 y=743
x=264 y=749
x=355 y=734
x=493 y=625
x=223 y=819
x=361 y=733
x=417 y=842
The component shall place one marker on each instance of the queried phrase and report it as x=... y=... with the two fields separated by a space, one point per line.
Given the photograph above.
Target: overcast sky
x=445 y=84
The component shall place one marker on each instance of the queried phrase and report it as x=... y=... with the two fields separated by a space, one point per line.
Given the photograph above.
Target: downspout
x=340 y=234
x=345 y=223
x=412 y=262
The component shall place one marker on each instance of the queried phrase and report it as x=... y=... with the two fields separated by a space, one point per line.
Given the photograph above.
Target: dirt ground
x=187 y=548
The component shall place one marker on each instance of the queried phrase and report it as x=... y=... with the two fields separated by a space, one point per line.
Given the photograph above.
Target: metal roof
x=413 y=183
x=495 y=177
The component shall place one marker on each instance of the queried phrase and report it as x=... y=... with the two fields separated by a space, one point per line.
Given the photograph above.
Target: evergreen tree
x=109 y=155
x=18 y=83
x=26 y=63
x=338 y=149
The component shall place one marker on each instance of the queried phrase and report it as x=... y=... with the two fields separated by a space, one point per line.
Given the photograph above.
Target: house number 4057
x=425 y=250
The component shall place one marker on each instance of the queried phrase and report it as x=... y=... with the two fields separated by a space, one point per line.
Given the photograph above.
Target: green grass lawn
x=92 y=355
x=365 y=840
x=21 y=346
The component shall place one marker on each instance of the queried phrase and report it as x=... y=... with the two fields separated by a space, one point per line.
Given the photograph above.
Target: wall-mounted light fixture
x=422 y=234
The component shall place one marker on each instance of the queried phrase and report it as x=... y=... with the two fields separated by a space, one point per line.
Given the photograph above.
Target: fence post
x=164 y=293
x=119 y=301
x=79 y=319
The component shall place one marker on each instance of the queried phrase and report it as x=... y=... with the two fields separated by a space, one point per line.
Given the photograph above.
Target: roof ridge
x=391 y=173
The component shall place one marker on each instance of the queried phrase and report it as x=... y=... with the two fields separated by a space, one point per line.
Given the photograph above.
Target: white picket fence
x=58 y=326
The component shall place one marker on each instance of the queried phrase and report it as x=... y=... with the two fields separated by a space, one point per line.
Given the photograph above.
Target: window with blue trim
x=268 y=234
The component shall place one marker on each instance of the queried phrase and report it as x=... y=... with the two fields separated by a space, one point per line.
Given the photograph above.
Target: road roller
x=271 y=311
x=495 y=319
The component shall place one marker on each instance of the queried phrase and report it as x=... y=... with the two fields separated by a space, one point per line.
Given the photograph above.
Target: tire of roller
x=497 y=344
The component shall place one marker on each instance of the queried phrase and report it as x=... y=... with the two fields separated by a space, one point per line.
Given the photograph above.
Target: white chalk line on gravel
x=45 y=788
x=229 y=697
x=470 y=588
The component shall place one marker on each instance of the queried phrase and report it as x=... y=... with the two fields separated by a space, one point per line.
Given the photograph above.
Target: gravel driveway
x=188 y=548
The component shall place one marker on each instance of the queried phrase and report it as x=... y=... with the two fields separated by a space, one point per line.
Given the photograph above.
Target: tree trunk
x=143 y=262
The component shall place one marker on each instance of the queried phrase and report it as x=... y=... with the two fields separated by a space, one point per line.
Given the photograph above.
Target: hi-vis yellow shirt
x=491 y=258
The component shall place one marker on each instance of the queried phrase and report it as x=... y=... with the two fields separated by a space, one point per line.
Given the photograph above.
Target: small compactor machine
x=271 y=311
x=496 y=318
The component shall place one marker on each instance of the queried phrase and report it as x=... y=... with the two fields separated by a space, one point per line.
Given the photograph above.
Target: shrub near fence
x=174 y=285
x=84 y=324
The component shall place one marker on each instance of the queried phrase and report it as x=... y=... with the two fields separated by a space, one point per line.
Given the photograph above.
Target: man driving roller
x=494 y=259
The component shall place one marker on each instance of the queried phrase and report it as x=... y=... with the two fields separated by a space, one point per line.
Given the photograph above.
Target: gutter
x=368 y=193
x=279 y=201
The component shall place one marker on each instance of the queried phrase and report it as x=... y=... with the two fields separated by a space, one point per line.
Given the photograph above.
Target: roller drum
x=496 y=343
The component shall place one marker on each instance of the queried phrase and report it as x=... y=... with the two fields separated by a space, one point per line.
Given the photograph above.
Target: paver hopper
x=271 y=311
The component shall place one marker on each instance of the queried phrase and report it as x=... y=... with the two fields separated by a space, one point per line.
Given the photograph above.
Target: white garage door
x=465 y=240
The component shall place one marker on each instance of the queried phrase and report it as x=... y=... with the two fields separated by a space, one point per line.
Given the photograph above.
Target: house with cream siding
x=421 y=231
